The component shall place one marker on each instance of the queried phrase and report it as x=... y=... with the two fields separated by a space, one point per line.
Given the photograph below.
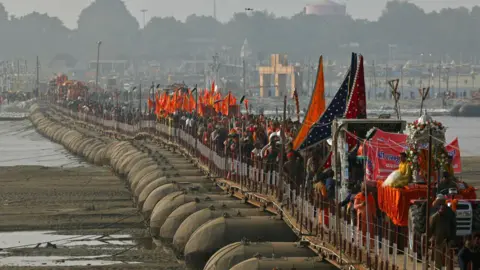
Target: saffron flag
x=158 y=104
x=212 y=93
x=323 y=128
x=150 y=104
x=315 y=109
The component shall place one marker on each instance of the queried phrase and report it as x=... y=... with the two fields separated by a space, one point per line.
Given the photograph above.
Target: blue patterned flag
x=323 y=128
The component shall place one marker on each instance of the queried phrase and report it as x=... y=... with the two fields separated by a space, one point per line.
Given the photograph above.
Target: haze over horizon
x=69 y=10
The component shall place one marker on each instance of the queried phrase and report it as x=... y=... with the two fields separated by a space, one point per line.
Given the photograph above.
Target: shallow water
x=9 y=240
x=43 y=261
x=20 y=144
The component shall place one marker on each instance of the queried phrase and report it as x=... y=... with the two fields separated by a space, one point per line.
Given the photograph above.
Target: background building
x=326 y=7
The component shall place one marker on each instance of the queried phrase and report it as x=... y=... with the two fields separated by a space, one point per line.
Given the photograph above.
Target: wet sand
x=471 y=172
x=81 y=204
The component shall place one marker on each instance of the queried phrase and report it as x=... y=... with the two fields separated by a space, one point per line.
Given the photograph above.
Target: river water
x=20 y=144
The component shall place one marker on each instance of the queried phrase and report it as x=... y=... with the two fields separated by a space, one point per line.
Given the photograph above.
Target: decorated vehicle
x=65 y=89
x=461 y=198
x=404 y=203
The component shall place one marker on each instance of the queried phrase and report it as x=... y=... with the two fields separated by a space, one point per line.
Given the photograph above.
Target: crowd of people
x=8 y=97
x=256 y=140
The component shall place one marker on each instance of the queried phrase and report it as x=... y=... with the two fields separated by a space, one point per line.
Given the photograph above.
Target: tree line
x=453 y=32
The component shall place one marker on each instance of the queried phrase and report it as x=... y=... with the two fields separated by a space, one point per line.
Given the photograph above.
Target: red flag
x=453 y=150
x=328 y=162
x=357 y=104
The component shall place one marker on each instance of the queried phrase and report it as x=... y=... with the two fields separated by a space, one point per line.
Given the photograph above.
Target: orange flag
x=233 y=99
x=206 y=97
x=193 y=104
x=150 y=103
x=217 y=105
x=315 y=109
x=158 y=105
x=168 y=104
x=227 y=101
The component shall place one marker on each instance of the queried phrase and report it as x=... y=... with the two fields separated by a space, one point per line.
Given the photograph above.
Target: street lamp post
x=144 y=11
x=98 y=63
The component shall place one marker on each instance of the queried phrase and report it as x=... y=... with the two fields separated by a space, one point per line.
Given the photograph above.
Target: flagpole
x=240 y=143
x=282 y=152
x=196 y=120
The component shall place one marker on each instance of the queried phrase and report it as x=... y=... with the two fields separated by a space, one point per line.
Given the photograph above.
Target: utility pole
x=439 y=77
x=144 y=11
x=401 y=80
x=308 y=76
x=456 y=84
x=98 y=64
x=140 y=100
x=374 y=78
x=18 y=74
x=215 y=9
x=282 y=151
x=386 y=81
x=429 y=175
x=244 y=77
x=216 y=67
x=37 y=82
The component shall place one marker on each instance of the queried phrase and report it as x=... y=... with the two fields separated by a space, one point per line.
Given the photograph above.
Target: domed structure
x=325 y=8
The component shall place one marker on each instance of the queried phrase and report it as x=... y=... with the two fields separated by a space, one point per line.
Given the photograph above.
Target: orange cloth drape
x=395 y=202
x=316 y=108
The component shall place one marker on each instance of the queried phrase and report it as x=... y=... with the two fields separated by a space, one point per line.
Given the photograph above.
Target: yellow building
x=281 y=71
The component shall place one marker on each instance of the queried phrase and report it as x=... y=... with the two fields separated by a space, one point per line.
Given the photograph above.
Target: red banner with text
x=383 y=152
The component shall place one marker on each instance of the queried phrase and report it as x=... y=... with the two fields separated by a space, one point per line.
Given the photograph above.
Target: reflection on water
x=36 y=261
x=20 y=144
x=9 y=240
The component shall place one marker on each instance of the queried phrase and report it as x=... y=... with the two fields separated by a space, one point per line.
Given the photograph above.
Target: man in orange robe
x=360 y=204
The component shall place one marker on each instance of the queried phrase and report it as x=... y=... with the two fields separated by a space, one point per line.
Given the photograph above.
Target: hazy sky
x=68 y=10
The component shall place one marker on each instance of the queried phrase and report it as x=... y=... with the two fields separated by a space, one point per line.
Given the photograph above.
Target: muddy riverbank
x=73 y=217
x=85 y=213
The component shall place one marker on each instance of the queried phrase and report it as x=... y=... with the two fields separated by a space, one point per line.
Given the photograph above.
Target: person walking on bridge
x=365 y=215
x=443 y=229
